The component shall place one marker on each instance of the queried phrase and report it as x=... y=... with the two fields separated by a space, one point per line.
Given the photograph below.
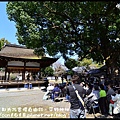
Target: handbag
x=79 y=97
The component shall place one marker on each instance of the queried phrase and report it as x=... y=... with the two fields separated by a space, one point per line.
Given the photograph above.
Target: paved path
x=28 y=103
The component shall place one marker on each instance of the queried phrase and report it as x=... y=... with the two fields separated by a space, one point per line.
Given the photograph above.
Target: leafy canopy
x=87 y=29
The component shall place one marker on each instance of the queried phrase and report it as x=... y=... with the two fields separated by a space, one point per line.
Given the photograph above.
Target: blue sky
x=7 y=27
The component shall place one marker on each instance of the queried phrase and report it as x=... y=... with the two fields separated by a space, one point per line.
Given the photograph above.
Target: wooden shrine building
x=16 y=58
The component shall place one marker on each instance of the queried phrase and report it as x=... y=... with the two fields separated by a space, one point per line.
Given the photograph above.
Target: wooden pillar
x=8 y=76
x=40 y=72
x=23 y=73
x=5 y=79
x=5 y=74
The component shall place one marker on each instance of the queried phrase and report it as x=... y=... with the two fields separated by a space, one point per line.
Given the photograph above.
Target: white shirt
x=50 y=88
x=116 y=98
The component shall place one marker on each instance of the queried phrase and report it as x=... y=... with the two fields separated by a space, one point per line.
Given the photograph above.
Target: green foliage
x=48 y=71
x=71 y=63
x=12 y=77
x=3 y=41
x=88 y=29
x=85 y=62
x=70 y=72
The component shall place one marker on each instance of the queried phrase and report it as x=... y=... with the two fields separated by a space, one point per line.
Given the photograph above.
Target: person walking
x=76 y=108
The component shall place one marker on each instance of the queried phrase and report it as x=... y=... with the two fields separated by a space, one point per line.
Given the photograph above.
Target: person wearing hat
x=76 y=109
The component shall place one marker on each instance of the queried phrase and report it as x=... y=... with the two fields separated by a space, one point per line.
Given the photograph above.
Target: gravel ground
x=28 y=103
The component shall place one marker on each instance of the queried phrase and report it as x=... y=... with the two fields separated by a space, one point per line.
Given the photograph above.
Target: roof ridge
x=14 y=45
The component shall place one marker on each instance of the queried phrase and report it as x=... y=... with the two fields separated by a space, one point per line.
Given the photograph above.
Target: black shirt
x=74 y=101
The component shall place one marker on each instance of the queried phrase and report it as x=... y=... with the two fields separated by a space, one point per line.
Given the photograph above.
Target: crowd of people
x=102 y=92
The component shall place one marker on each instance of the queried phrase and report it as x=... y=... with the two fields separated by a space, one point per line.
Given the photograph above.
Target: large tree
x=88 y=29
